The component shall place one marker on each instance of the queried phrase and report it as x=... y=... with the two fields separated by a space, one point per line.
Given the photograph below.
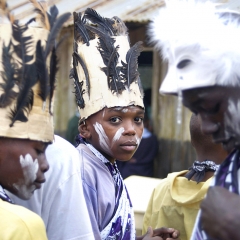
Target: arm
x=221 y=213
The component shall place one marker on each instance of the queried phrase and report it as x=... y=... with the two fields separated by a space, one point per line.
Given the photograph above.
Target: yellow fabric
x=17 y=223
x=175 y=203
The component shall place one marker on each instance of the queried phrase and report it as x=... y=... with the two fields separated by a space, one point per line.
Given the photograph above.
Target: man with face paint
x=110 y=100
x=176 y=200
x=26 y=121
x=201 y=44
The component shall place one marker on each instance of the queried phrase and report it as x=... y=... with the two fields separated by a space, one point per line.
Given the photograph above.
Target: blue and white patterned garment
x=107 y=199
x=122 y=224
x=227 y=176
x=4 y=196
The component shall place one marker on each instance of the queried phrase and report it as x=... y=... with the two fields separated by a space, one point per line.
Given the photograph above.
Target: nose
x=129 y=128
x=43 y=163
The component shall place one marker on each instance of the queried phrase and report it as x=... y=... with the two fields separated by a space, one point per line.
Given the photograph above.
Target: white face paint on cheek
x=117 y=135
x=30 y=168
x=138 y=140
x=103 y=139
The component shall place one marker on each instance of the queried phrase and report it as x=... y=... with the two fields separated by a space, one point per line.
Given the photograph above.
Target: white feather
x=182 y=24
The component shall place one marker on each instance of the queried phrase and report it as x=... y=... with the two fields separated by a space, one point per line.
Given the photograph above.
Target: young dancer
x=109 y=96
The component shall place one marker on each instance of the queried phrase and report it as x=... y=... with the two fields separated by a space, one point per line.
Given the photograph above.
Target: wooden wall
x=64 y=105
x=175 y=150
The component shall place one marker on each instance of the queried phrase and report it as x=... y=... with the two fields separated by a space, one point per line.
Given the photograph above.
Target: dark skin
x=13 y=175
x=218 y=108
x=116 y=133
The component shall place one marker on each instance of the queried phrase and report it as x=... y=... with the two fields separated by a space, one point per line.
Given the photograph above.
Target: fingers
x=163 y=230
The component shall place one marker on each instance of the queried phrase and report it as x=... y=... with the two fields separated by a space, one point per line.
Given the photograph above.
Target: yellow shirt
x=175 y=203
x=20 y=223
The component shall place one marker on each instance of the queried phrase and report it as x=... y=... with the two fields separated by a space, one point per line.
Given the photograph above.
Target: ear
x=84 y=130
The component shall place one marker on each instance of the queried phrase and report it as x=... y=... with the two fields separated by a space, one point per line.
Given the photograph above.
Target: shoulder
x=21 y=222
x=166 y=183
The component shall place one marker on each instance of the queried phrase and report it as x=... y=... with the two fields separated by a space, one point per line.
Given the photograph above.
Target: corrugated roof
x=127 y=10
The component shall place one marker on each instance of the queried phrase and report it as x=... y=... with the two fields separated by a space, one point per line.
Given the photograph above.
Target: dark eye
x=115 y=119
x=39 y=152
x=138 y=119
x=183 y=63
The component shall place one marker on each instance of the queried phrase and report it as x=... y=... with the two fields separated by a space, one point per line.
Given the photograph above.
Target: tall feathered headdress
x=27 y=74
x=200 y=40
x=104 y=67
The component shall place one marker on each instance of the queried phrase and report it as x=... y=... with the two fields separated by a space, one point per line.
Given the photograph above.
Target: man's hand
x=160 y=234
x=220 y=214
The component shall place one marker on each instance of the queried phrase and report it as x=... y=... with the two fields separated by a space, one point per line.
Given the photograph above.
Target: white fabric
x=60 y=202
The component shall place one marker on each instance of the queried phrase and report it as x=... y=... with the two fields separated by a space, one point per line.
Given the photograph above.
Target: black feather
x=80 y=32
x=53 y=15
x=42 y=72
x=77 y=85
x=84 y=67
x=21 y=48
x=8 y=76
x=110 y=57
x=54 y=32
x=130 y=69
x=52 y=76
x=105 y=23
x=25 y=97
x=30 y=21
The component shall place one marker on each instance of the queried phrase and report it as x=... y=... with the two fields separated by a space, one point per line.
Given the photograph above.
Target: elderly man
x=201 y=43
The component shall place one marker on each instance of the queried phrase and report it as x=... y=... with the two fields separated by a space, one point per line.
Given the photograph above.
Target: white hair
x=188 y=23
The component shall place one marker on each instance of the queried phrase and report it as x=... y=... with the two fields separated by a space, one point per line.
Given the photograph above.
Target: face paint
x=25 y=187
x=103 y=139
x=117 y=135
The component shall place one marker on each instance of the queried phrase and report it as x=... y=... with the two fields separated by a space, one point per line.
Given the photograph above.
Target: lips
x=38 y=183
x=129 y=146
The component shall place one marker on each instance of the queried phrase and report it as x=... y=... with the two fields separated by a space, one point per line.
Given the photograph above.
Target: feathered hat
x=200 y=40
x=27 y=74
x=104 y=67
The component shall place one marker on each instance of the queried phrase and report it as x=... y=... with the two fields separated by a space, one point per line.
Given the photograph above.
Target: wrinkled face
x=22 y=166
x=116 y=132
x=219 y=109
